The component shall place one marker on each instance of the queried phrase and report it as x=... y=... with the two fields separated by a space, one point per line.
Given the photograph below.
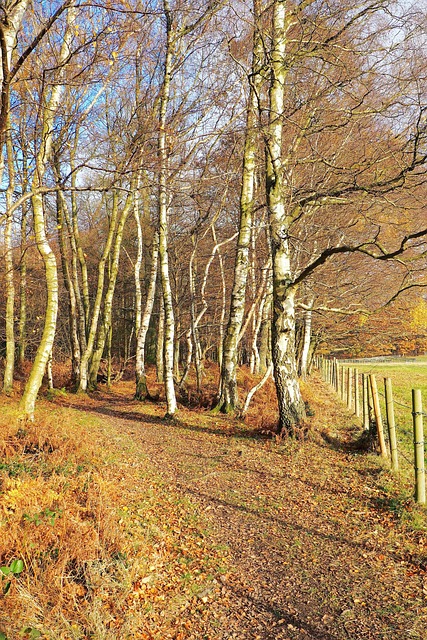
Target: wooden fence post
x=417 y=415
x=356 y=393
x=349 y=389
x=377 y=412
x=371 y=414
x=389 y=405
x=365 y=402
x=343 y=383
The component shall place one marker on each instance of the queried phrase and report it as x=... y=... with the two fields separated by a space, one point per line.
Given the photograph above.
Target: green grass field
x=404 y=377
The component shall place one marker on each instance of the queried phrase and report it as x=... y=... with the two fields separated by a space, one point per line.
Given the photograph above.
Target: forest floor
x=222 y=532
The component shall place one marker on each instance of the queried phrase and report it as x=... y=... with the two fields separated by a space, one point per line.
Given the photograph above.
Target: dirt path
x=315 y=548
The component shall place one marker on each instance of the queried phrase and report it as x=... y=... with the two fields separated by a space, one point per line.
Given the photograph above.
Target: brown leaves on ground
x=205 y=528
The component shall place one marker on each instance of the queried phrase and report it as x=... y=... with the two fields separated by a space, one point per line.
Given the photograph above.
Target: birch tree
x=163 y=198
x=175 y=34
x=291 y=405
x=319 y=139
x=11 y=16
x=49 y=109
x=228 y=398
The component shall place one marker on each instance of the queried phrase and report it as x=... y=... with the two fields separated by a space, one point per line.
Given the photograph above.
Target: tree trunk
x=81 y=287
x=306 y=341
x=10 y=280
x=159 y=342
x=291 y=405
x=22 y=329
x=49 y=372
x=265 y=331
x=109 y=295
x=78 y=255
x=169 y=327
x=96 y=311
x=10 y=22
x=44 y=350
x=68 y=281
x=45 y=347
x=141 y=392
x=223 y=302
x=228 y=399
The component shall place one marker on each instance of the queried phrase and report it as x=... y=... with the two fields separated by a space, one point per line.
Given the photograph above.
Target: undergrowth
x=97 y=555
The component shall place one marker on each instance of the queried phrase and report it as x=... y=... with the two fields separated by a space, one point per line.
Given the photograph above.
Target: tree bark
x=169 y=326
x=228 y=399
x=109 y=295
x=22 y=329
x=96 y=310
x=265 y=331
x=78 y=257
x=303 y=369
x=67 y=277
x=10 y=22
x=159 y=342
x=291 y=405
x=141 y=392
x=43 y=156
x=10 y=280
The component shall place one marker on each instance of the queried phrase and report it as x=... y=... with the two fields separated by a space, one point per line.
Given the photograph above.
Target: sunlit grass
x=404 y=377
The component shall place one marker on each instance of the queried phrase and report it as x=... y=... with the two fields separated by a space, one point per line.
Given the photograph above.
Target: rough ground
x=315 y=548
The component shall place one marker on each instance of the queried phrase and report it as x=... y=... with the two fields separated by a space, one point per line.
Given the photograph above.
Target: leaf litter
x=225 y=533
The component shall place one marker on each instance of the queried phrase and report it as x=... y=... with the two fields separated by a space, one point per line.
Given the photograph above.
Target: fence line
x=346 y=381
x=391 y=359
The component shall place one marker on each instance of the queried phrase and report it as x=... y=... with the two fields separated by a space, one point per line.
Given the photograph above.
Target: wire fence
x=360 y=393
x=379 y=359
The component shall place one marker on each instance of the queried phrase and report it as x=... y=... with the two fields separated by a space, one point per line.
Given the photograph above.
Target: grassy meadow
x=405 y=376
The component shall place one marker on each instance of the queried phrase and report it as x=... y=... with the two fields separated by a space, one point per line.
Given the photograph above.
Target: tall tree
x=48 y=114
x=291 y=405
x=228 y=399
x=11 y=16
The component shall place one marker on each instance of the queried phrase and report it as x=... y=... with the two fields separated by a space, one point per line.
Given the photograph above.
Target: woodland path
x=314 y=544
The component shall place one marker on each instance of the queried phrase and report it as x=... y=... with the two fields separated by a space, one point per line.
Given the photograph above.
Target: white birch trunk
x=223 y=302
x=291 y=405
x=255 y=355
x=306 y=341
x=49 y=372
x=79 y=256
x=109 y=294
x=43 y=156
x=22 y=330
x=138 y=261
x=67 y=277
x=169 y=327
x=228 y=400
x=159 y=342
x=141 y=391
x=10 y=22
x=265 y=339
